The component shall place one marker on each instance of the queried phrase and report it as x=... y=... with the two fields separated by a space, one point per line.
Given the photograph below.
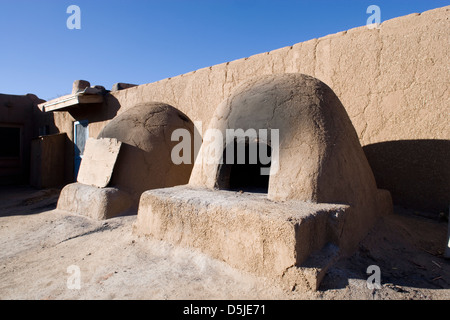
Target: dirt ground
x=39 y=244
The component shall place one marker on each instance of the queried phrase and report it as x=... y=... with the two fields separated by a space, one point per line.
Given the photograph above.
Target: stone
x=121 y=86
x=80 y=85
x=98 y=162
x=93 y=202
x=100 y=90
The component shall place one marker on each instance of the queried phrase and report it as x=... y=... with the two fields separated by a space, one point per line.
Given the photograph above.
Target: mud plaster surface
x=39 y=243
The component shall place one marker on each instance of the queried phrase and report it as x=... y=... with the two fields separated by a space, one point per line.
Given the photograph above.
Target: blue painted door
x=80 y=135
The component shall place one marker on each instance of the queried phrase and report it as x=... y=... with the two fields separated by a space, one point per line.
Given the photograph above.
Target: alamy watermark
x=74 y=20
x=374 y=280
x=74 y=279
x=256 y=143
x=374 y=21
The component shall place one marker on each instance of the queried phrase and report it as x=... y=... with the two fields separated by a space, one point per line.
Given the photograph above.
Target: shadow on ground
x=408 y=248
x=26 y=200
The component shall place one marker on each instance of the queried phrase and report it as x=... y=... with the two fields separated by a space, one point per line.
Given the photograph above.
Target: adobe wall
x=47 y=161
x=393 y=82
x=21 y=111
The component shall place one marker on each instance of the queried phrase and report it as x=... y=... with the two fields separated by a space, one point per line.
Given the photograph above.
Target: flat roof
x=70 y=100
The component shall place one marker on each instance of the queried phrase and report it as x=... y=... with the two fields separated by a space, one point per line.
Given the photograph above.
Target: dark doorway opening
x=243 y=172
x=10 y=142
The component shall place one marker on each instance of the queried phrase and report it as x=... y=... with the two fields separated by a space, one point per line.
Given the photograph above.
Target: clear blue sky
x=139 y=41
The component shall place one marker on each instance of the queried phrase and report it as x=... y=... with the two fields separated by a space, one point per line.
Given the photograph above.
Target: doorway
x=80 y=136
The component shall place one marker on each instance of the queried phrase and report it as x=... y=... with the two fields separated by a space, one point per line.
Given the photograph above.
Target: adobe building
x=366 y=110
x=392 y=82
x=29 y=143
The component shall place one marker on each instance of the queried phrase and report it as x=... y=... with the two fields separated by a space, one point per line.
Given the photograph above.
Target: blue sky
x=140 y=41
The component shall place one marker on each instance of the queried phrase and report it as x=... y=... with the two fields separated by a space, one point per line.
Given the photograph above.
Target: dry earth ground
x=38 y=244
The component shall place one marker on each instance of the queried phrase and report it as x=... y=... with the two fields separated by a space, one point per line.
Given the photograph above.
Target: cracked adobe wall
x=393 y=81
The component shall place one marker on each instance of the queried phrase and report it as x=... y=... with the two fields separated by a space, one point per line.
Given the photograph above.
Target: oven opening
x=246 y=169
